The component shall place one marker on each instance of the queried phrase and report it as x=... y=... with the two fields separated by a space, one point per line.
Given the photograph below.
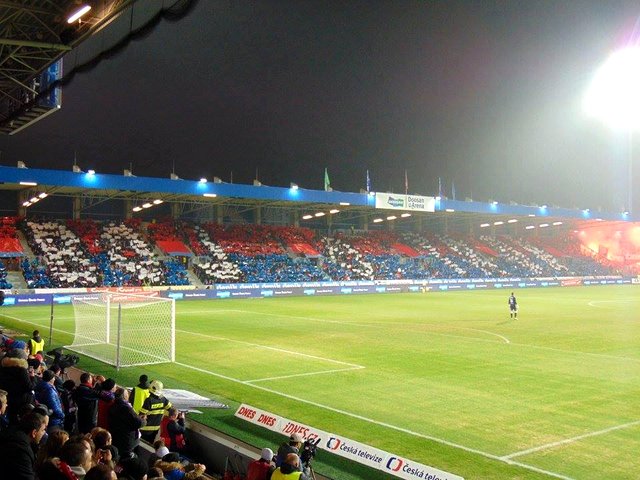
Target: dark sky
x=487 y=94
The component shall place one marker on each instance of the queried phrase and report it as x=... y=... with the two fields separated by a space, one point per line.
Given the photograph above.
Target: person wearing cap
x=263 y=467
x=46 y=394
x=36 y=343
x=17 y=379
x=154 y=407
x=290 y=469
x=139 y=393
x=295 y=442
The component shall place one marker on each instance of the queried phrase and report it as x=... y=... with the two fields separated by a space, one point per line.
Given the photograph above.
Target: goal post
x=124 y=329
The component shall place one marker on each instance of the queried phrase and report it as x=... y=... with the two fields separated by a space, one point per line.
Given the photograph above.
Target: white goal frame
x=123 y=329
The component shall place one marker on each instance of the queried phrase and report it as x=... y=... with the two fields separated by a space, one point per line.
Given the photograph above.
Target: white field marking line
x=375 y=422
x=594 y=303
x=282 y=350
x=369 y=325
x=570 y=440
x=356 y=416
x=304 y=374
x=380 y=325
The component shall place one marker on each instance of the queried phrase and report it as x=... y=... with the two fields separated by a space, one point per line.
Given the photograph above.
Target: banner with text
x=358 y=452
x=392 y=201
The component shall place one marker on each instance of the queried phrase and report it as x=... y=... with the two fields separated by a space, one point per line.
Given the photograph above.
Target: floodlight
x=543 y=207
x=493 y=202
x=377 y=220
x=78 y=14
x=557 y=223
x=335 y=210
x=146 y=205
x=391 y=217
x=29 y=184
x=543 y=225
x=450 y=210
x=405 y=215
x=137 y=209
x=484 y=225
x=26 y=204
x=513 y=220
x=613 y=95
x=529 y=227
x=294 y=186
x=157 y=201
x=320 y=214
x=625 y=213
x=532 y=214
x=345 y=203
x=498 y=223
x=43 y=195
x=210 y=195
x=307 y=217
x=203 y=180
x=438 y=198
x=91 y=172
x=34 y=199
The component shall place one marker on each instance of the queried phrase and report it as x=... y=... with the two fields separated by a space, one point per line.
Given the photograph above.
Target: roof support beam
x=60 y=47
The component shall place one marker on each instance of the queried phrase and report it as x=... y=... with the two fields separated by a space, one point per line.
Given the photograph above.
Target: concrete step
x=25 y=245
x=17 y=280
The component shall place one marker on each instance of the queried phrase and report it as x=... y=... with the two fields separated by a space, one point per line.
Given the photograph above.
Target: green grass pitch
x=445 y=379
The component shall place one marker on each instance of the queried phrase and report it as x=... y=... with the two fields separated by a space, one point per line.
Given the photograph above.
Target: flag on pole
x=406 y=183
x=453 y=191
x=368 y=182
x=440 y=187
x=327 y=183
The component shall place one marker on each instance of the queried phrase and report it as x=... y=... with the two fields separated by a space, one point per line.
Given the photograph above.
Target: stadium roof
x=97 y=187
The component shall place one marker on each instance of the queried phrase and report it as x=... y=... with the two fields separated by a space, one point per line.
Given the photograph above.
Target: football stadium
x=375 y=334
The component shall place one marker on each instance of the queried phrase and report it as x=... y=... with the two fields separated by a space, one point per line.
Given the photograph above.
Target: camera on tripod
x=62 y=360
x=309 y=449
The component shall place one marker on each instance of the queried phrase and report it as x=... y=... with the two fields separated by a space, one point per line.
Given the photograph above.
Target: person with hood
x=46 y=394
x=17 y=379
x=139 y=393
x=155 y=407
x=290 y=469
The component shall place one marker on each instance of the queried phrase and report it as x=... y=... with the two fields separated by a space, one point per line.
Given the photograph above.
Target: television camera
x=63 y=360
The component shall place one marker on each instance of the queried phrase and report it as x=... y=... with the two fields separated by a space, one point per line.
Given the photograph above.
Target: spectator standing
x=47 y=394
x=107 y=397
x=172 y=430
x=139 y=393
x=69 y=405
x=86 y=398
x=17 y=379
x=18 y=446
x=262 y=468
x=124 y=424
x=155 y=407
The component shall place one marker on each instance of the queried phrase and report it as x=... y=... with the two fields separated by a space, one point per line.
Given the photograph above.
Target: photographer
x=172 y=430
x=290 y=469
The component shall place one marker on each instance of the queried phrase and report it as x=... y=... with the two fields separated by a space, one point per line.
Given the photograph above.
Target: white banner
x=392 y=201
x=358 y=452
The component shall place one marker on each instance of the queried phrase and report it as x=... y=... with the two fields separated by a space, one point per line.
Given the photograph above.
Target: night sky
x=486 y=94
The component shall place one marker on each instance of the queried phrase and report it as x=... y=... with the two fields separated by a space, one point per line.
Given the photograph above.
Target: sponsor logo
x=177 y=296
x=246 y=412
x=346 y=290
x=395 y=202
x=223 y=294
x=63 y=299
x=333 y=443
x=309 y=291
x=267 y=293
x=394 y=464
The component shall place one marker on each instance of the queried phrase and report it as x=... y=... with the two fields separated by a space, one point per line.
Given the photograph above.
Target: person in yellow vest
x=290 y=469
x=139 y=393
x=36 y=344
x=154 y=407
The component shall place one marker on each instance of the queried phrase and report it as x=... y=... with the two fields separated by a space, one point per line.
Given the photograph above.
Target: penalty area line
x=376 y=422
x=323 y=372
x=570 y=440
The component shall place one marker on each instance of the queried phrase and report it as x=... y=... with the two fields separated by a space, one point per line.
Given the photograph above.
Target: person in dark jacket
x=17 y=447
x=124 y=424
x=155 y=408
x=17 y=379
x=47 y=394
x=69 y=405
x=107 y=397
x=86 y=398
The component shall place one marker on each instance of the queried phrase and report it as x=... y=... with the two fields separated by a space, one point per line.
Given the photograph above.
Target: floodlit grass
x=445 y=379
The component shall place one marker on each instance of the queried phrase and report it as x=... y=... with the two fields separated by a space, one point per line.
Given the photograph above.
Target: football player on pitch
x=513 y=306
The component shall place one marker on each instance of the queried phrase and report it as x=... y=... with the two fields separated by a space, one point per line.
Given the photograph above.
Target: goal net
x=124 y=329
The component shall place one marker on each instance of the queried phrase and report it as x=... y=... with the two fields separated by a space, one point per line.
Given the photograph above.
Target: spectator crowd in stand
x=56 y=430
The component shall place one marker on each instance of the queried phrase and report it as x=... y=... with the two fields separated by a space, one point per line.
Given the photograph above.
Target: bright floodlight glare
x=391 y=217
x=543 y=225
x=320 y=214
x=484 y=225
x=307 y=217
x=513 y=220
x=294 y=186
x=449 y=210
x=345 y=203
x=43 y=195
x=405 y=215
x=377 y=220
x=614 y=96
x=529 y=227
x=498 y=223
x=210 y=195
x=146 y=205
x=335 y=210
x=137 y=209
x=29 y=184
x=157 y=201
x=203 y=180
x=91 y=172
x=79 y=13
